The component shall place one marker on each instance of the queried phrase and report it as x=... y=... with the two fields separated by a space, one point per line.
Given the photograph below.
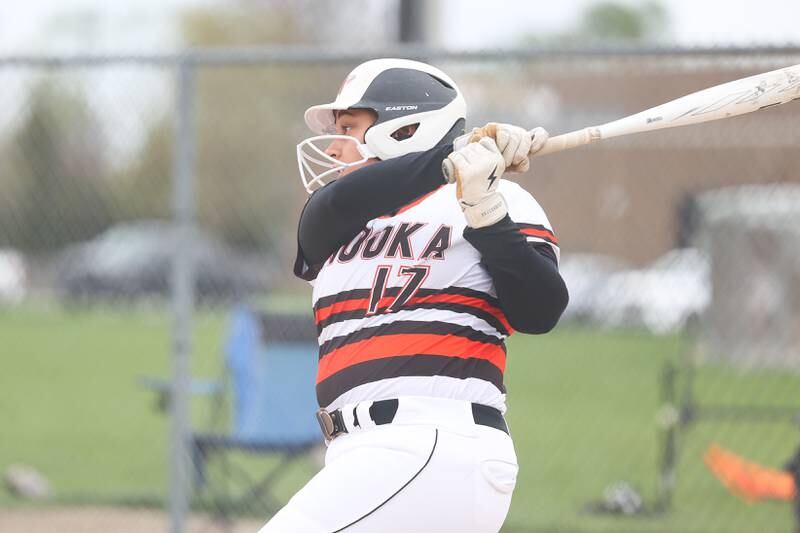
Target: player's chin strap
x=318 y=168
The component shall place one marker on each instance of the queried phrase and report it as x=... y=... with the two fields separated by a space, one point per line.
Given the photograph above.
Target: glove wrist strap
x=490 y=210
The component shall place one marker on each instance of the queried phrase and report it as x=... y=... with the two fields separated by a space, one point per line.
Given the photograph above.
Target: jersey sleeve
x=303 y=270
x=529 y=217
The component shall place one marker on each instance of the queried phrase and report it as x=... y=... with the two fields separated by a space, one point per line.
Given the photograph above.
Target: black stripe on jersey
x=408 y=326
x=410 y=365
x=457 y=308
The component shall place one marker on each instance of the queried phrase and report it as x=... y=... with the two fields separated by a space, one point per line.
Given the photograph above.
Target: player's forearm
x=530 y=289
x=337 y=212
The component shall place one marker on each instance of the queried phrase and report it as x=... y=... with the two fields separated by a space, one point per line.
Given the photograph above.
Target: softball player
x=417 y=283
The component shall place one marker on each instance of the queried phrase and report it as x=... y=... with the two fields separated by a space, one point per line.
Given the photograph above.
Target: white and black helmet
x=401 y=93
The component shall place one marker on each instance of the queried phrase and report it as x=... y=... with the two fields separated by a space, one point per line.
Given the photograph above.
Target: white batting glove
x=476 y=171
x=515 y=143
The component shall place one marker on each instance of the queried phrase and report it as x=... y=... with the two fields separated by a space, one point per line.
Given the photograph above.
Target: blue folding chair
x=271 y=362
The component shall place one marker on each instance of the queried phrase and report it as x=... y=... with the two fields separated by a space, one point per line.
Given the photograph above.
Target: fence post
x=182 y=293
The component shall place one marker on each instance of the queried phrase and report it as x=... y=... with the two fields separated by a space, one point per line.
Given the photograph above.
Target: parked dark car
x=133 y=262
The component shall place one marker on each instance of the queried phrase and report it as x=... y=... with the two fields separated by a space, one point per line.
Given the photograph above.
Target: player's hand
x=476 y=170
x=515 y=143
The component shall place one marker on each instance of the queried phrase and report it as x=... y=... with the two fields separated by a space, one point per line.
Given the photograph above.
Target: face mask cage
x=318 y=168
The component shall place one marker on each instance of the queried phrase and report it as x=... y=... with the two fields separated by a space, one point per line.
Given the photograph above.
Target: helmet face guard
x=317 y=168
x=401 y=93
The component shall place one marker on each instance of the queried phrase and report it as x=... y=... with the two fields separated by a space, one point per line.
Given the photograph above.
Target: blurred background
x=149 y=195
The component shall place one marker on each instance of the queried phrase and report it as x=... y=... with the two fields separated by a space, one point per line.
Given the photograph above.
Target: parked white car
x=662 y=297
x=13 y=277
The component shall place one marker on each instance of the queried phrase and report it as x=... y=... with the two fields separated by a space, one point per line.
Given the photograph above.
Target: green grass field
x=582 y=409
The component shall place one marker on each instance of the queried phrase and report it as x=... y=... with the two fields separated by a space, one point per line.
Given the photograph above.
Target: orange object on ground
x=749 y=481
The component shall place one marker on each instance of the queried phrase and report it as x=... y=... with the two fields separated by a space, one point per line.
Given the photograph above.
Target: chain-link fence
x=147 y=233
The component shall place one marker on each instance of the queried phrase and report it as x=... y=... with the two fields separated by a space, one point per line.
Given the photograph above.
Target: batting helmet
x=401 y=93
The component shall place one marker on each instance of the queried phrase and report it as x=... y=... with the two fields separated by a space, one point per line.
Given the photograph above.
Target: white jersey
x=407 y=309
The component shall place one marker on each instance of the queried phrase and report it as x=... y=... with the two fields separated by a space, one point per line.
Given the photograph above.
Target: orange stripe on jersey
x=409 y=345
x=541 y=233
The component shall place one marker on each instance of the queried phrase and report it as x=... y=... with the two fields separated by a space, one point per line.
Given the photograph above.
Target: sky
x=70 y=26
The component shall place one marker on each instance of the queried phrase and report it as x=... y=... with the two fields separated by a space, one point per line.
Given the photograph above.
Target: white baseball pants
x=431 y=470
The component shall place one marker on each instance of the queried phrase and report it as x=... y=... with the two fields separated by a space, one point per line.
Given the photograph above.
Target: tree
x=54 y=163
x=611 y=21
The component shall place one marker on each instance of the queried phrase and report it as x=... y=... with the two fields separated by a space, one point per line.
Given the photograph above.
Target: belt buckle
x=325 y=424
x=331 y=424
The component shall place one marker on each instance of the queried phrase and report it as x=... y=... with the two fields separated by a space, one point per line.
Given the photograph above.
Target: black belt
x=383 y=411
